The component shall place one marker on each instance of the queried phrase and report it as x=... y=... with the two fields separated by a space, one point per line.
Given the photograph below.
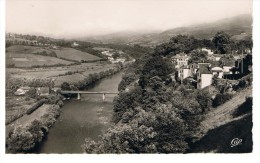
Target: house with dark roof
x=204 y=75
x=244 y=65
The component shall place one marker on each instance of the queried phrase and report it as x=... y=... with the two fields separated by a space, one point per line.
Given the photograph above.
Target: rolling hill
x=239 y=27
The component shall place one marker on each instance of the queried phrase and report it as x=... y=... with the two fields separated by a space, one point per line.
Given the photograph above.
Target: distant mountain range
x=239 y=27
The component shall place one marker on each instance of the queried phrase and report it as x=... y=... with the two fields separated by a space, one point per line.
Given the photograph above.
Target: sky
x=76 y=18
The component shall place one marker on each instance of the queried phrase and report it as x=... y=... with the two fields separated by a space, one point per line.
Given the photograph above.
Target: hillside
x=220 y=126
x=27 y=56
x=239 y=27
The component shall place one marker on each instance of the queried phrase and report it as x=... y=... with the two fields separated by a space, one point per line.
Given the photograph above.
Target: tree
x=126 y=80
x=177 y=44
x=221 y=99
x=198 y=56
x=221 y=41
x=158 y=131
x=156 y=66
x=20 y=140
x=204 y=100
x=65 y=86
x=36 y=129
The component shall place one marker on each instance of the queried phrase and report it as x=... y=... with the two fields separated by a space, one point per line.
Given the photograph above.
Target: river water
x=80 y=119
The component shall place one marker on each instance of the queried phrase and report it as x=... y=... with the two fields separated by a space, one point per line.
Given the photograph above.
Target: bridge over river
x=87 y=92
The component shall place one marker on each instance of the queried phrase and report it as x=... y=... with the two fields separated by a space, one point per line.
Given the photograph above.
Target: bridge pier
x=104 y=96
x=78 y=96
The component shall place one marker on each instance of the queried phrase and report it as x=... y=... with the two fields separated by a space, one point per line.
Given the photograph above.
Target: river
x=80 y=119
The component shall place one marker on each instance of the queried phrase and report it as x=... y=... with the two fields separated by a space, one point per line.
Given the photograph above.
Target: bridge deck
x=86 y=92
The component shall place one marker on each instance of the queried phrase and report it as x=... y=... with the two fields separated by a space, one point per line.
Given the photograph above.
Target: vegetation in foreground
x=23 y=139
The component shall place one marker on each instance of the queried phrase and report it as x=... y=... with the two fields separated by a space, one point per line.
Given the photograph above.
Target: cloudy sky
x=73 y=18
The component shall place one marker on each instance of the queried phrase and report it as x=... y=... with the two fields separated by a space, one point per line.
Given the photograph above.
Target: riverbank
x=89 y=117
x=17 y=131
x=27 y=135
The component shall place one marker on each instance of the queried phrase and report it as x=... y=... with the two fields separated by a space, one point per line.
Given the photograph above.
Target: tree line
x=221 y=43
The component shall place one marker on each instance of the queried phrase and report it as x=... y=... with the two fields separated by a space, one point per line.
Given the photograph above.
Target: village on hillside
x=233 y=67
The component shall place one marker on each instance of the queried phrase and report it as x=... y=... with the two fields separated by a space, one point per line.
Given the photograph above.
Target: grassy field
x=28 y=56
x=75 y=55
x=17 y=106
x=59 y=74
x=50 y=72
x=29 y=60
x=25 y=49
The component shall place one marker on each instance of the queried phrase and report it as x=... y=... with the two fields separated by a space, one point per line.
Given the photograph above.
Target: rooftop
x=204 y=68
x=217 y=69
x=218 y=55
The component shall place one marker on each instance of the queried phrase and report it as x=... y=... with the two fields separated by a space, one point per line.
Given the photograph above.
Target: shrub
x=244 y=108
x=204 y=100
x=36 y=106
x=65 y=86
x=31 y=93
x=221 y=99
x=60 y=103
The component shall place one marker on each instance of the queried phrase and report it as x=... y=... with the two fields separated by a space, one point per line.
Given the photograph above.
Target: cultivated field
x=62 y=74
x=24 y=49
x=75 y=55
x=29 y=60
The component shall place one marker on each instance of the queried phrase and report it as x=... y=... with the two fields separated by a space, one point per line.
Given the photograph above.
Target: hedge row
x=36 y=106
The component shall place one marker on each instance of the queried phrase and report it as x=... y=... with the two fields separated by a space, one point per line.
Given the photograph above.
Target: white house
x=217 y=71
x=117 y=60
x=75 y=44
x=22 y=91
x=210 y=52
x=204 y=75
x=227 y=69
x=181 y=60
x=184 y=72
x=107 y=53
